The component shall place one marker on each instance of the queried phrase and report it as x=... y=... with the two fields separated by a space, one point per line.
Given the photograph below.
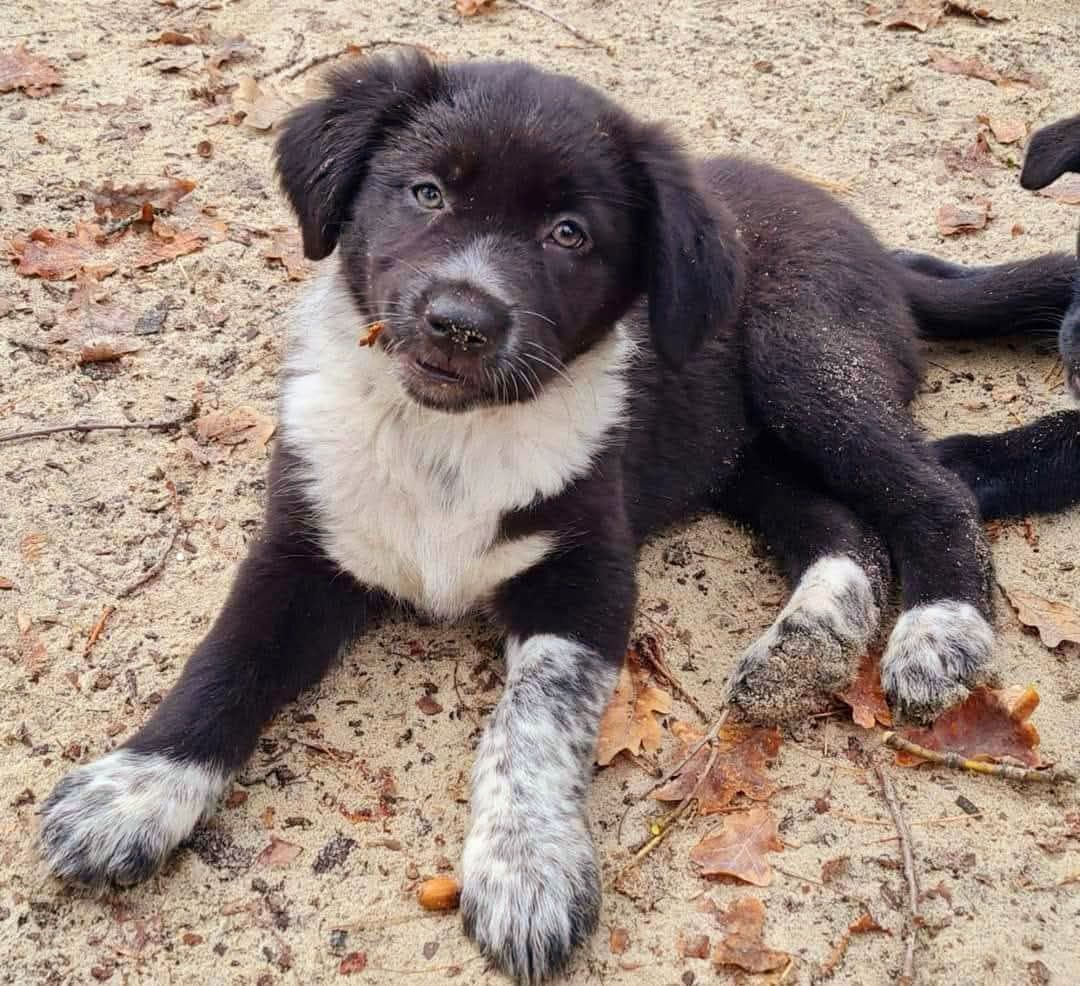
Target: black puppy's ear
x=326 y=145
x=695 y=269
x=1052 y=151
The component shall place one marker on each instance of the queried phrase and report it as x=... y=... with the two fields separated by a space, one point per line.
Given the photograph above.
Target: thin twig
x=1050 y=774
x=708 y=738
x=353 y=49
x=87 y=426
x=154 y=570
x=540 y=12
x=97 y=629
x=660 y=665
x=908 y=971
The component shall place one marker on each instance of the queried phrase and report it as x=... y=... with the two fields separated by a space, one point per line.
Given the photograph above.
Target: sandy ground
x=370 y=787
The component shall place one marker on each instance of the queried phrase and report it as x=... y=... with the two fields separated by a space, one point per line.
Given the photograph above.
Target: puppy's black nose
x=465 y=319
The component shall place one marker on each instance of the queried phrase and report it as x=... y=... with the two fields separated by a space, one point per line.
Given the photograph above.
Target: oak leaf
x=739 y=767
x=19 y=69
x=739 y=850
x=263 y=109
x=1056 y=622
x=990 y=725
x=865 y=695
x=51 y=257
x=629 y=721
x=742 y=944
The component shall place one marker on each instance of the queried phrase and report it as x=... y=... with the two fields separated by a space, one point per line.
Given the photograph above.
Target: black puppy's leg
x=839 y=572
x=290 y=611
x=531 y=882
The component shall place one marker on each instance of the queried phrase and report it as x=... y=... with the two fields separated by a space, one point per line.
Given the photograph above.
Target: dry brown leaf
x=167 y=243
x=739 y=850
x=628 y=722
x=242 y=425
x=1056 y=622
x=742 y=944
x=19 y=69
x=31 y=651
x=353 y=962
x=866 y=697
x=31 y=544
x=278 y=853
x=120 y=202
x=1065 y=190
x=287 y=248
x=6 y=584
x=263 y=109
x=692 y=945
x=181 y=38
x=990 y=725
x=974 y=68
x=953 y=219
x=1006 y=130
x=864 y=924
x=739 y=768
x=59 y=258
x=235 y=49
x=618 y=940
x=470 y=8
x=976 y=159
x=919 y=15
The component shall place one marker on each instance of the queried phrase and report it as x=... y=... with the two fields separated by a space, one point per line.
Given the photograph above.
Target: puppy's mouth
x=438 y=374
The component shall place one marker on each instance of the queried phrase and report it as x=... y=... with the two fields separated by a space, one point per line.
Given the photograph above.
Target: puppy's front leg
x=117 y=820
x=531 y=889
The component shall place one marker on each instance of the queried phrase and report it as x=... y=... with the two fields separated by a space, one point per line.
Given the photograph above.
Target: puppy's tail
x=951 y=301
x=1030 y=470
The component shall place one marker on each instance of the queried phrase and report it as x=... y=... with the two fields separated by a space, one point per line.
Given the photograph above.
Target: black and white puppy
x=585 y=336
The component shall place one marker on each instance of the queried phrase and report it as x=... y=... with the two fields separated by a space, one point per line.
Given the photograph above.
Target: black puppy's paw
x=116 y=821
x=530 y=891
x=935 y=655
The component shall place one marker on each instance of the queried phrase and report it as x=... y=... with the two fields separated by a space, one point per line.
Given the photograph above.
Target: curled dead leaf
x=34 y=75
x=742 y=945
x=239 y=426
x=286 y=247
x=866 y=697
x=990 y=725
x=739 y=768
x=968 y=218
x=1065 y=190
x=629 y=720
x=122 y=201
x=278 y=853
x=739 y=850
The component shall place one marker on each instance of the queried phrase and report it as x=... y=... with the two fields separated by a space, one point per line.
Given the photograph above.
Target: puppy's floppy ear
x=326 y=145
x=1052 y=151
x=694 y=265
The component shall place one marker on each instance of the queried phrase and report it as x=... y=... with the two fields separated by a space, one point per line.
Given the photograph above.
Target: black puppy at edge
x=587 y=336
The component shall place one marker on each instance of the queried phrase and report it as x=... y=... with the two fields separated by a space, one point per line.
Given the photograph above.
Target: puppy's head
x=1053 y=151
x=499 y=220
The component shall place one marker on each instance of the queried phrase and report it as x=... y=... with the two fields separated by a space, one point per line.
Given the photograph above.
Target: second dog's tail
x=1030 y=470
x=955 y=302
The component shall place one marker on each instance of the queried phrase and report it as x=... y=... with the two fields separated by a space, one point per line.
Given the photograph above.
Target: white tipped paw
x=117 y=820
x=935 y=654
x=813 y=648
x=531 y=891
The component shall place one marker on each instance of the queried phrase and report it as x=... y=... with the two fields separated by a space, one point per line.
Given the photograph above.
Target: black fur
x=779 y=351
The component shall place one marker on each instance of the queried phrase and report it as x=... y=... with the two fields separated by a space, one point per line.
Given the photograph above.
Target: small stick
x=708 y=738
x=87 y=426
x=660 y=665
x=1051 y=775
x=908 y=972
x=153 y=571
x=540 y=12
x=354 y=49
x=97 y=629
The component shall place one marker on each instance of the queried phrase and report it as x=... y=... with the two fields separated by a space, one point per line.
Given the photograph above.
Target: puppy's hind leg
x=839 y=570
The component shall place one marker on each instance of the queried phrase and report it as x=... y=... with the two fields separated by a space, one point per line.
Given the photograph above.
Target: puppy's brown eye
x=428 y=195
x=568 y=234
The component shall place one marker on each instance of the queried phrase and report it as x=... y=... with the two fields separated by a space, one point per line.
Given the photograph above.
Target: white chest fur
x=410 y=499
